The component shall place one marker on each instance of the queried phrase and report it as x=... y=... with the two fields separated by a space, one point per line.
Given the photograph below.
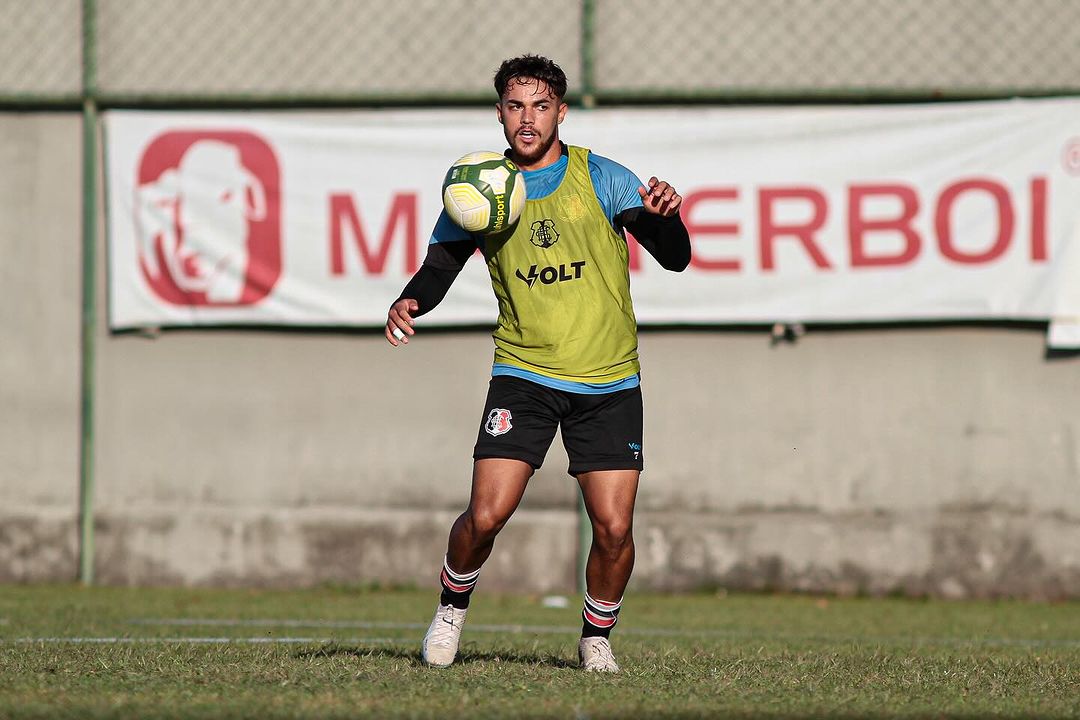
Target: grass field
x=169 y=653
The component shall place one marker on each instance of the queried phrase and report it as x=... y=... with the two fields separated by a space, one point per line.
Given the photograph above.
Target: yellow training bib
x=562 y=279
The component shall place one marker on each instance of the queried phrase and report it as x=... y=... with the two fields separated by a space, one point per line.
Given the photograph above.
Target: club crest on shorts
x=498 y=422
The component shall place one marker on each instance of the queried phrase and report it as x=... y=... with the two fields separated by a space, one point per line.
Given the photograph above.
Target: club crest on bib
x=498 y=422
x=544 y=234
x=571 y=207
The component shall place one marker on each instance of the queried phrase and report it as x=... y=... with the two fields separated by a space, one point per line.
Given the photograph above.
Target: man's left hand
x=660 y=198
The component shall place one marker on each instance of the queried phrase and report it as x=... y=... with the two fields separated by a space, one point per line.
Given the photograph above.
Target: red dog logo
x=207 y=213
x=498 y=422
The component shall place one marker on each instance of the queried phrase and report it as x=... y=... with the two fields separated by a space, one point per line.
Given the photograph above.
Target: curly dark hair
x=531 y=67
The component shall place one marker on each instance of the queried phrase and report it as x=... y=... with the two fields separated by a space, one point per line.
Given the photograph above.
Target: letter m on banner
x=345 y=220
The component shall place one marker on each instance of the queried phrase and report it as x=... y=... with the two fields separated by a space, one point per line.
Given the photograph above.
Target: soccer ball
x=484 y=192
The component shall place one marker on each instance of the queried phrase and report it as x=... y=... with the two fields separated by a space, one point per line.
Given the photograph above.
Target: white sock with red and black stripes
x=456 y=587
x=599 y=616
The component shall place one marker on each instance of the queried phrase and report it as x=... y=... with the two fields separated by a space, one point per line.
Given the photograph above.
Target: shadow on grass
x=413 y=656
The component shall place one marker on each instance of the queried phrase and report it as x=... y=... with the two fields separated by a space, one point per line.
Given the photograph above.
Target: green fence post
x=588 y=85
x=89 y=297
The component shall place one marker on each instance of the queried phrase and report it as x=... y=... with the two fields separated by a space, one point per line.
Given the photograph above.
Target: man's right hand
x=400 y=318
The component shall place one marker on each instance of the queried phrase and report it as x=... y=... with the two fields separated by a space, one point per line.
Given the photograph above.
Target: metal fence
x=431 y=51
x=40 y=50
x=844 y=48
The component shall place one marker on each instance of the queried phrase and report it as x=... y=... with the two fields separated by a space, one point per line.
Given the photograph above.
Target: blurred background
x=921 y=458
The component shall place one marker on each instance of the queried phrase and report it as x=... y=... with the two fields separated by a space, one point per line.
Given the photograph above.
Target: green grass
x=682 y=656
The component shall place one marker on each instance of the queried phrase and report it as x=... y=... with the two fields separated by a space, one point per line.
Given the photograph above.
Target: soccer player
x=565 y=348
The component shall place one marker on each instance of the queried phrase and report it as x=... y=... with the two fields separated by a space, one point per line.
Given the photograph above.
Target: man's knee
x=613 y=535
x=485 y=522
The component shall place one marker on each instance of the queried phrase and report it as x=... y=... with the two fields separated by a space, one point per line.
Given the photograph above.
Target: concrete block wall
x=936 y=459
x=40 y=307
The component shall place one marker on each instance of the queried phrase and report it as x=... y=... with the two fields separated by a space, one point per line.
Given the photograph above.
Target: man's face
x=530 y=115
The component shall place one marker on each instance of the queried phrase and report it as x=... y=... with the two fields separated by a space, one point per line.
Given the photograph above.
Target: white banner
x=835 y=214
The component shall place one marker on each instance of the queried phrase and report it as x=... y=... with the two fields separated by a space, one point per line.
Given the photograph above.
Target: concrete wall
x=40 y=291
x=933 y=460
x=941 y=460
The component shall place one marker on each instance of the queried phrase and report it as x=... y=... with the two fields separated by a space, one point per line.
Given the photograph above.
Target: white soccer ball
x=484 y=192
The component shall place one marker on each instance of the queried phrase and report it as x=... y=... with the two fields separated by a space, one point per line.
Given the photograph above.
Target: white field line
x=346 y=624
x=198 y=640
x=908 y=640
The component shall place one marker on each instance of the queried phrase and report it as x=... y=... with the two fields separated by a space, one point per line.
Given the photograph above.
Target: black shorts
x=600 y=432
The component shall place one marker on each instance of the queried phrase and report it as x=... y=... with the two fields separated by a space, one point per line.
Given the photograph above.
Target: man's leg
x=497 y=487
x=603 y=441
x=516 y=429
x=609 y=499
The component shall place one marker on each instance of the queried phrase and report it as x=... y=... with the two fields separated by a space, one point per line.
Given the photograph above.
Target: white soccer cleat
x=441 y=642
x=596 y=656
